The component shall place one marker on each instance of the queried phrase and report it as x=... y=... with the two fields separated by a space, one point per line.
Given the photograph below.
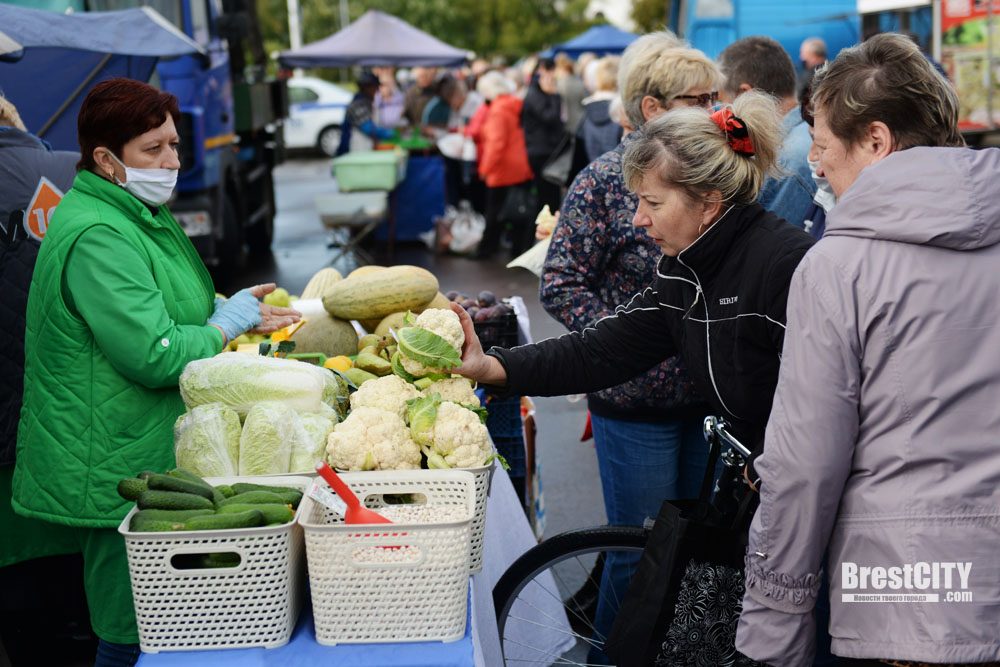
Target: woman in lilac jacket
x=881 y=448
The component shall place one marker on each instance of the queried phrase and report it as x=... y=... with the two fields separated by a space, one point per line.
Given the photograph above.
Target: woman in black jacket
x=719 y=296
x=541 y=118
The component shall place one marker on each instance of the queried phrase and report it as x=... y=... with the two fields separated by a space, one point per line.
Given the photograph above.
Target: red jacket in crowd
x=503 y=158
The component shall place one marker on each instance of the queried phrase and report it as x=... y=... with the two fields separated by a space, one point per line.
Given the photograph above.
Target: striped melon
x=377 y=294
x=318 y=283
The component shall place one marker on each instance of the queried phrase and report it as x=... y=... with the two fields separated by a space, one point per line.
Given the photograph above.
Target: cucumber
x=220 y=560
x=168 y=483
x=130 y=488
x=272 y=513
x=184 y=473
x=155 y=526
x=254 y=498
x=293 y=496
x=172 y=500
x=247 y=519
x=172 y=516
x=145 y=474
x=226 y=490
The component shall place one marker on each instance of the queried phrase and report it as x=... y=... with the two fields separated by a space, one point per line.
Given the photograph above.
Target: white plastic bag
x=466 y=229
x=533 y=258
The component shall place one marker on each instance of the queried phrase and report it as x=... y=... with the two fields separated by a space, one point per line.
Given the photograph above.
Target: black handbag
x=566 y=161
x=520 y=206
x=684 y=600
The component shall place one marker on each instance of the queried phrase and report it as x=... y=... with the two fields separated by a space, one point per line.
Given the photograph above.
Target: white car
x=316 y=110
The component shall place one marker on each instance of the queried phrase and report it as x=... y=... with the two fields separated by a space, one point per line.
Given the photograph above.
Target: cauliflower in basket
x=450 y=435
x=388 y=393
x=456 y=390
x=372 y=439
x=431 y=342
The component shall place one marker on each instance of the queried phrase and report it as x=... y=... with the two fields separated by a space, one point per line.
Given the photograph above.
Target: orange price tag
x=39 y=211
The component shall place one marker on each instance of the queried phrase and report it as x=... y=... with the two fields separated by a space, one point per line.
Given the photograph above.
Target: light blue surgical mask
x=153 y=186
x=824 y=193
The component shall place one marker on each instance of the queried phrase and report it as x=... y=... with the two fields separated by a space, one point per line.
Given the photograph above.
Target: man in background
x=761 y=63
x=419 y=94
x=812 y=54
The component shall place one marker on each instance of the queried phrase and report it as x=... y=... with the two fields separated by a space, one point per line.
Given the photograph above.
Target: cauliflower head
x=373 y=439
x=460 y=437
x=456 y=390
x=444 y=323
x=388 y=393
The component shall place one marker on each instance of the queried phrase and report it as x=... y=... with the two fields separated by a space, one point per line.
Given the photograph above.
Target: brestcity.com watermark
x=912 y=582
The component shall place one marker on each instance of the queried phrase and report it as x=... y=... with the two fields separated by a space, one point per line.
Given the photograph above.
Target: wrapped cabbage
x=306 y=451
x=270 y=432
x=207 y=440
x=239 y=381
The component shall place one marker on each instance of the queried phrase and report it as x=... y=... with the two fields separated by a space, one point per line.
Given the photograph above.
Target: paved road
x=569 y=468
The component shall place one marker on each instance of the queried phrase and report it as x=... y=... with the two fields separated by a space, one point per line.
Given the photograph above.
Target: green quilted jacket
x=107 y=336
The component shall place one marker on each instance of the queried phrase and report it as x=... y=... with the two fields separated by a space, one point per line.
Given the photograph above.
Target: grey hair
x=492 y=85
x=687 y=149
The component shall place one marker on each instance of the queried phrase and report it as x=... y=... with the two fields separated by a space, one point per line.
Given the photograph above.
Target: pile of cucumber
x=181 y=500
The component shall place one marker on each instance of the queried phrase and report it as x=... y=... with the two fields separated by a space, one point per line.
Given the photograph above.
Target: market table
x=506 y=537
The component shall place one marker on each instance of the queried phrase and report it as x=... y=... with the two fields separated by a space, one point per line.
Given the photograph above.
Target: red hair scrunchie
x=736 y=131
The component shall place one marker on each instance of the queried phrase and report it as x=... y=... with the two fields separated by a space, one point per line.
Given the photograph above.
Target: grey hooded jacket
x=883 y=443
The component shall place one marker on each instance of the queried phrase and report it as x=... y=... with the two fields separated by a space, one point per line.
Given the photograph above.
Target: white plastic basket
x=358 y=600
x=253 y=604
x=482 y=475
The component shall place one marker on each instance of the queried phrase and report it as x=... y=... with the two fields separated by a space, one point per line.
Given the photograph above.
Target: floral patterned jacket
x=597 y=261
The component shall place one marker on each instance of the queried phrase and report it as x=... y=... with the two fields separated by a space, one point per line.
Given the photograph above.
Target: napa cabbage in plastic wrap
x=207 y=440
x=239 y=381
x=317 y=427
x=270 y=432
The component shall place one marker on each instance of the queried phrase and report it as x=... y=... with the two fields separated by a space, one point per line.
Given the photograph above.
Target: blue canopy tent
x=375 y=39
x=64 y=55
x=601 y=40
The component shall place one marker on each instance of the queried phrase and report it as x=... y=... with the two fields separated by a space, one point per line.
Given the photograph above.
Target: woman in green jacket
x=119 y=303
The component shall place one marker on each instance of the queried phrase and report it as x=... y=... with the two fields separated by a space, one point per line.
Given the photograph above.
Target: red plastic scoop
x=355 y=512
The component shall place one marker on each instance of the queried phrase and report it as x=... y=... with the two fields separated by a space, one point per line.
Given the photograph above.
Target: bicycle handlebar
x=716 y=427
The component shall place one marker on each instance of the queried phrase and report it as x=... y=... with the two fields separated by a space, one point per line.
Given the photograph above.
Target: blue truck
x=711 y=25
x=230 y=125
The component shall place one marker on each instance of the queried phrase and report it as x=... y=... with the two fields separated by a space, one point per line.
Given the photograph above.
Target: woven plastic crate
x=370 y=170
x=507 y=431
x=501 y=332
x=359 y=601
x=254 y=604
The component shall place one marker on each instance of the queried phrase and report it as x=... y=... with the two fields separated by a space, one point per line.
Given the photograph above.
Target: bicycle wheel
x=539 y=618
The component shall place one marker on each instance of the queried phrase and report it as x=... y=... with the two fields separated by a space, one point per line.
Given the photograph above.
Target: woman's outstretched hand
x=273 y=318
x=477 y=365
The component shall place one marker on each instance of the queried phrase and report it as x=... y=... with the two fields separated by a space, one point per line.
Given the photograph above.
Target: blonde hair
x=9 y=117
x=606 y=73
x=492 y=85
x=687 y=149
x=663 y=74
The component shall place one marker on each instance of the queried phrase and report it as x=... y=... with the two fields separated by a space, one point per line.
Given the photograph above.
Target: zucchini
x=247 y=519
x=130 y=488
x=168 y=483
x=172 y=500
x=155 y=526
x=273 y=513
x=184 y=473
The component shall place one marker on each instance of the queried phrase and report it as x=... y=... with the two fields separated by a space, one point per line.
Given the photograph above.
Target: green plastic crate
x=370 y=170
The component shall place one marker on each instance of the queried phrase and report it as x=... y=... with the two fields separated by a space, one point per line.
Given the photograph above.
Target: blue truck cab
x=711 y=25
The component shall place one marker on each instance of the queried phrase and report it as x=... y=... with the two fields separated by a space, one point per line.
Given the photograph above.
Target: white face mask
x=153 y=186
x=824 y=193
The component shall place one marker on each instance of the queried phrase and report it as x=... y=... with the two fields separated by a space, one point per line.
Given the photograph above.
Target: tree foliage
x=509 y=28
x=651 y=15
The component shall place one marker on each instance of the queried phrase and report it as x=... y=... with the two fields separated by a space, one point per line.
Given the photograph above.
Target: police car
x=316 y=110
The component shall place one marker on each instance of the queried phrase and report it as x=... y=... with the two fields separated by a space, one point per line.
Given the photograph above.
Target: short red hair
x=119 y=110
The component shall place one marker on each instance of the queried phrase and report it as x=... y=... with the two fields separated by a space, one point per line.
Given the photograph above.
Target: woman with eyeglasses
x=716 y=301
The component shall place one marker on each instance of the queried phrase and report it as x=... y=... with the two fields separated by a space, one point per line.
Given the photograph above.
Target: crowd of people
x=813 y=260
